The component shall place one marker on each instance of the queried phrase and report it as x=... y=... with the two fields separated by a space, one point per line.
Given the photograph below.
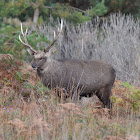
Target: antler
x=47 y=49
x=25 y=39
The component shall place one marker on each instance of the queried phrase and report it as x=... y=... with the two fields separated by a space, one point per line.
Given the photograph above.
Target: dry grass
x=35 y=116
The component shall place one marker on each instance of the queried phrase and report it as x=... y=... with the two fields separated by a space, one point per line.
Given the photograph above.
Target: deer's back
x=91 y=75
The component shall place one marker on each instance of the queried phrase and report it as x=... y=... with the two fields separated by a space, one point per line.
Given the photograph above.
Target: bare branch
x=77 y=9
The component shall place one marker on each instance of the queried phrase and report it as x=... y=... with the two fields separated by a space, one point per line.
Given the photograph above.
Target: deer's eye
x=43 y=58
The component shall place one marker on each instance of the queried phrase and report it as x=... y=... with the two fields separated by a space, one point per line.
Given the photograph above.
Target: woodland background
x=106 y=30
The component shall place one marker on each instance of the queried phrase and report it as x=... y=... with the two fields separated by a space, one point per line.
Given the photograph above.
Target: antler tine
x=54 y=34
x=25 y=39
x=47 y=49
x=26 y=31
x=21 y=29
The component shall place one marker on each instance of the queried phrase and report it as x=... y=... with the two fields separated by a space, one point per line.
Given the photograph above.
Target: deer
x=79 y=78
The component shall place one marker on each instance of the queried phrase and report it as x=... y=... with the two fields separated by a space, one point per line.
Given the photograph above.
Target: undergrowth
x=28 y=110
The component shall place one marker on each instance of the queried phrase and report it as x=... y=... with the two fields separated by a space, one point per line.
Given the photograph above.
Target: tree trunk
x=36 y=15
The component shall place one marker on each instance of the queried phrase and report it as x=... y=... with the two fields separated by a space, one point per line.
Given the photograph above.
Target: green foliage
x=68 y=13
x=19 y=76
x=117 y=100
x=99 y=10
x=13 y=8
x=125 y=6
x=132 y=97
x=8 y=38
x=41 y=88
x=77 y=18
x=10 y=44
x=71 y=10
x=3 y=9
x=93 y=3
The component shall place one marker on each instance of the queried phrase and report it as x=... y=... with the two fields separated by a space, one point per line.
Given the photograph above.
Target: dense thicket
x=76 y=11
x=125 y=6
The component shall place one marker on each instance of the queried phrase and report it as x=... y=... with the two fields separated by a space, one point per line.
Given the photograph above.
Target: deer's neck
x=51 y=73
x=48 y=67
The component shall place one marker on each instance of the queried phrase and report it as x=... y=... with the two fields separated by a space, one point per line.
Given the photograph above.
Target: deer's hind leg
x=104 y=96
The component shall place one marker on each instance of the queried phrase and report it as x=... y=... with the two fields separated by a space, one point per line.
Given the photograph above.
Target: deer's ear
x=52 y=50
x=30 y=52
x=49 y=54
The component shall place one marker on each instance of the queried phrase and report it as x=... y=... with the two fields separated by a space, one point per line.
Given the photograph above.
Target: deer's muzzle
x=34 y=65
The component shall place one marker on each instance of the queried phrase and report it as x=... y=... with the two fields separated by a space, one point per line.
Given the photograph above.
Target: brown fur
x=84 y=76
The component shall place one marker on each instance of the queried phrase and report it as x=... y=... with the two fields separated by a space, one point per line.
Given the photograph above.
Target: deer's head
x=40 y=57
